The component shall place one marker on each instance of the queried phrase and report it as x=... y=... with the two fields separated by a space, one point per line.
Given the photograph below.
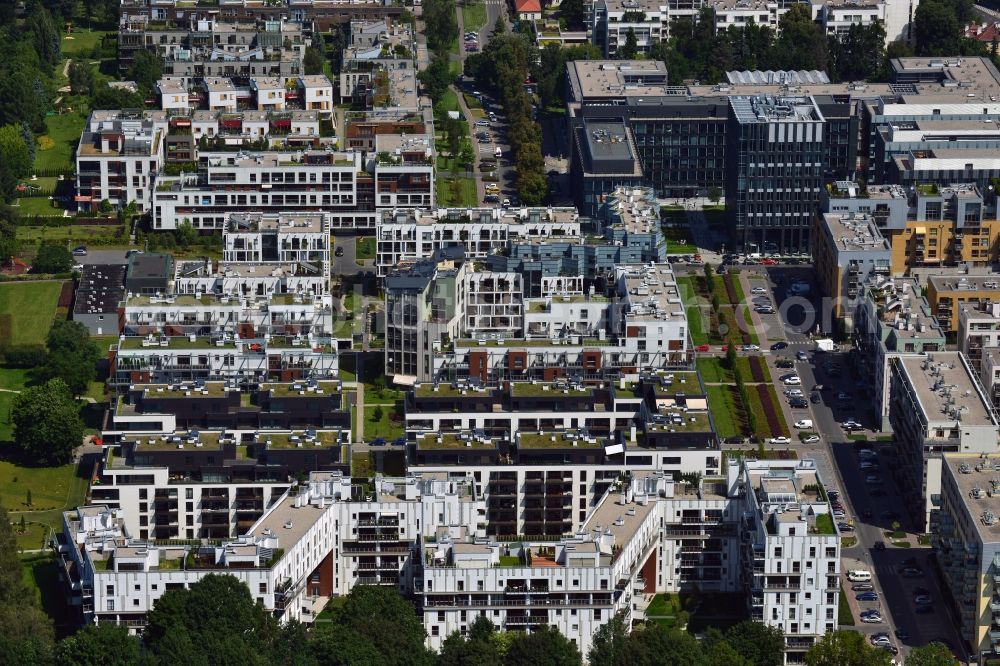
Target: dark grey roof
x=102 y=288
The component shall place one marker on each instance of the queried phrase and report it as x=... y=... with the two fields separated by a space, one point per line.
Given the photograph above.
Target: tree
x=572 y=12
x=436 y=77
x=387 y=621
x=215 y=619
x=377 y=414
x=81 y=79
x=721 y=652
x=937 y=31
x=186 y=234
x=342 y=646
x=52 y=258
x=477 y=649
x=27 y=497
x=730 y=360
x=846 y=648
x=759 y=643
x=454 y=130
x=932 y=654
x=547 y=647
x=99 y=645
x=655 y=645
x=146 y=70
x=16 y=162
x=630 y=49
x=714 y=194
x=72 y=355
x=801 y=43
x=106 y=97
x=8 y=232
x=47 y=426
x=441 y=24
x=610 y=644
x=312 y=62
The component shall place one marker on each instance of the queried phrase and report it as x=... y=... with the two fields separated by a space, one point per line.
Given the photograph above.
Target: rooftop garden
x=208 y=390
x=449 y=441
x=688 y=422
x=529 y=390
x=441 y=391
x=298 y=440
x=557 y=440
x=207 y=439
x=295 y=389
x=178 y=342
x=824 y=524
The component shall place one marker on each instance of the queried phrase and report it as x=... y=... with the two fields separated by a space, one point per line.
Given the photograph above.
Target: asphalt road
x=871 y=506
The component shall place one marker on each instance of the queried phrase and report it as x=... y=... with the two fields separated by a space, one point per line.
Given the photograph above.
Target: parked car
x=873 y=617
x=867 y=596
x=735 y=440
x=798 y=403
x=378 y=441
x=761 y=309
x=784 y=363
x=880 y=637
x=802 y=356
x=80 y=251
x=756 y=291
x=803 y=424
x=702 y=348
x=339 y=252
x=847 y=527
x=750 y=347
x=902 y=634
x=810 y=439
x=792 y=380
x=793 y=392
x=768 y=262
x=399 y=441
x=780 y=440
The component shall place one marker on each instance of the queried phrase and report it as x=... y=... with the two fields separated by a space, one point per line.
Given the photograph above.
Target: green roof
x=281 y=390
x=284 y=440
x=528 y=390
x=450 y=441
x=690 y=422
x=174 y=342
x=209 y=390
x=209 y=439
x=556 y=440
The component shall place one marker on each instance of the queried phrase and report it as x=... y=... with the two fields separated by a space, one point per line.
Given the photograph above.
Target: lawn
x=52 y=488
x=845 y=617
x=26 y=311
x=723 y=403
x=362 y=465
x=473 y=16
x=449 y=101
x=712 y=369
x=758 y=409
x=34 y=536
x=695 y=326
x=43 y=206
x=364 y=247
x=389 y=396
x=664 y=604
x=81 y=41
x=56 y=148
x=464 y=195
x=381 y=427
x=471 y=102
x=41 y=576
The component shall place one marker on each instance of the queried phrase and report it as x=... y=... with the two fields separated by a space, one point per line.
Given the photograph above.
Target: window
x=135 y=603
x=110 y=604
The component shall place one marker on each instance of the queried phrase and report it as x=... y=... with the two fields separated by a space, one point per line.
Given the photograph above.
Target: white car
x=811 y=439
x=750 y=348
x=804 y=424
x=792 y=380
x=874 y=618
x=793 y=393
x=780 y=440
x=757 y=291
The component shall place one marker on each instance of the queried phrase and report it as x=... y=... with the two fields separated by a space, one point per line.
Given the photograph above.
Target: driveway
x=102 y=257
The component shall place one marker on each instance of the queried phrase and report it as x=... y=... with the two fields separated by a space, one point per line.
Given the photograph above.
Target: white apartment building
x=892 y=320
x=174 y=95
x=316 y=93
x=647 y=20
x=282 y=129
x=265 y=182
x=268 y=92
x=118 y=157
x=404 y=171
x=264 y=255
x=937 y=406
x=425 y=535
x=410 y=235
x=220 y=93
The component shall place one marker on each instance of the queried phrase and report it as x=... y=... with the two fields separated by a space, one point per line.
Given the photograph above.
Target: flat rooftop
x=561 y=439
x=971 y=481
x=622 y=520
x=945 y=283
x=651 y=293
x=288 y=522
x=854 y=232
x=942 y=382
x=590 y=79
x=102 y=287
x=771 y=108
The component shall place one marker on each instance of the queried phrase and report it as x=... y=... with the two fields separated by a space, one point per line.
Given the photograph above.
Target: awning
x=83 y=197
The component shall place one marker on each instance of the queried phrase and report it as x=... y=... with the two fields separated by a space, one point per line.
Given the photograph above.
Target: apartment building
x=926 y=225
x=268 y=93
x=118 y=157
x=761 y=528
x=946 y=294
x=201 y=43
x=967 y=548
x=979 y=339
x=770 y=205
x=316 y=93
x=937 y=406
x=411 y=235
x=374 y=47
x=847 y=251
x=363 y=127
x=892 y=319
x=404 y=171
x=646 y=20
x=269 y=182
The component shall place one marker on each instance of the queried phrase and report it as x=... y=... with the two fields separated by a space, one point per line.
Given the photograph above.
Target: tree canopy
x=47 y=425
x=72 y=355
x=52 y=258
x=932 y=654
x=846 y=648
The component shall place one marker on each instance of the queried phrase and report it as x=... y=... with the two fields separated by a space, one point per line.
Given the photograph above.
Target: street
x=870 y=498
